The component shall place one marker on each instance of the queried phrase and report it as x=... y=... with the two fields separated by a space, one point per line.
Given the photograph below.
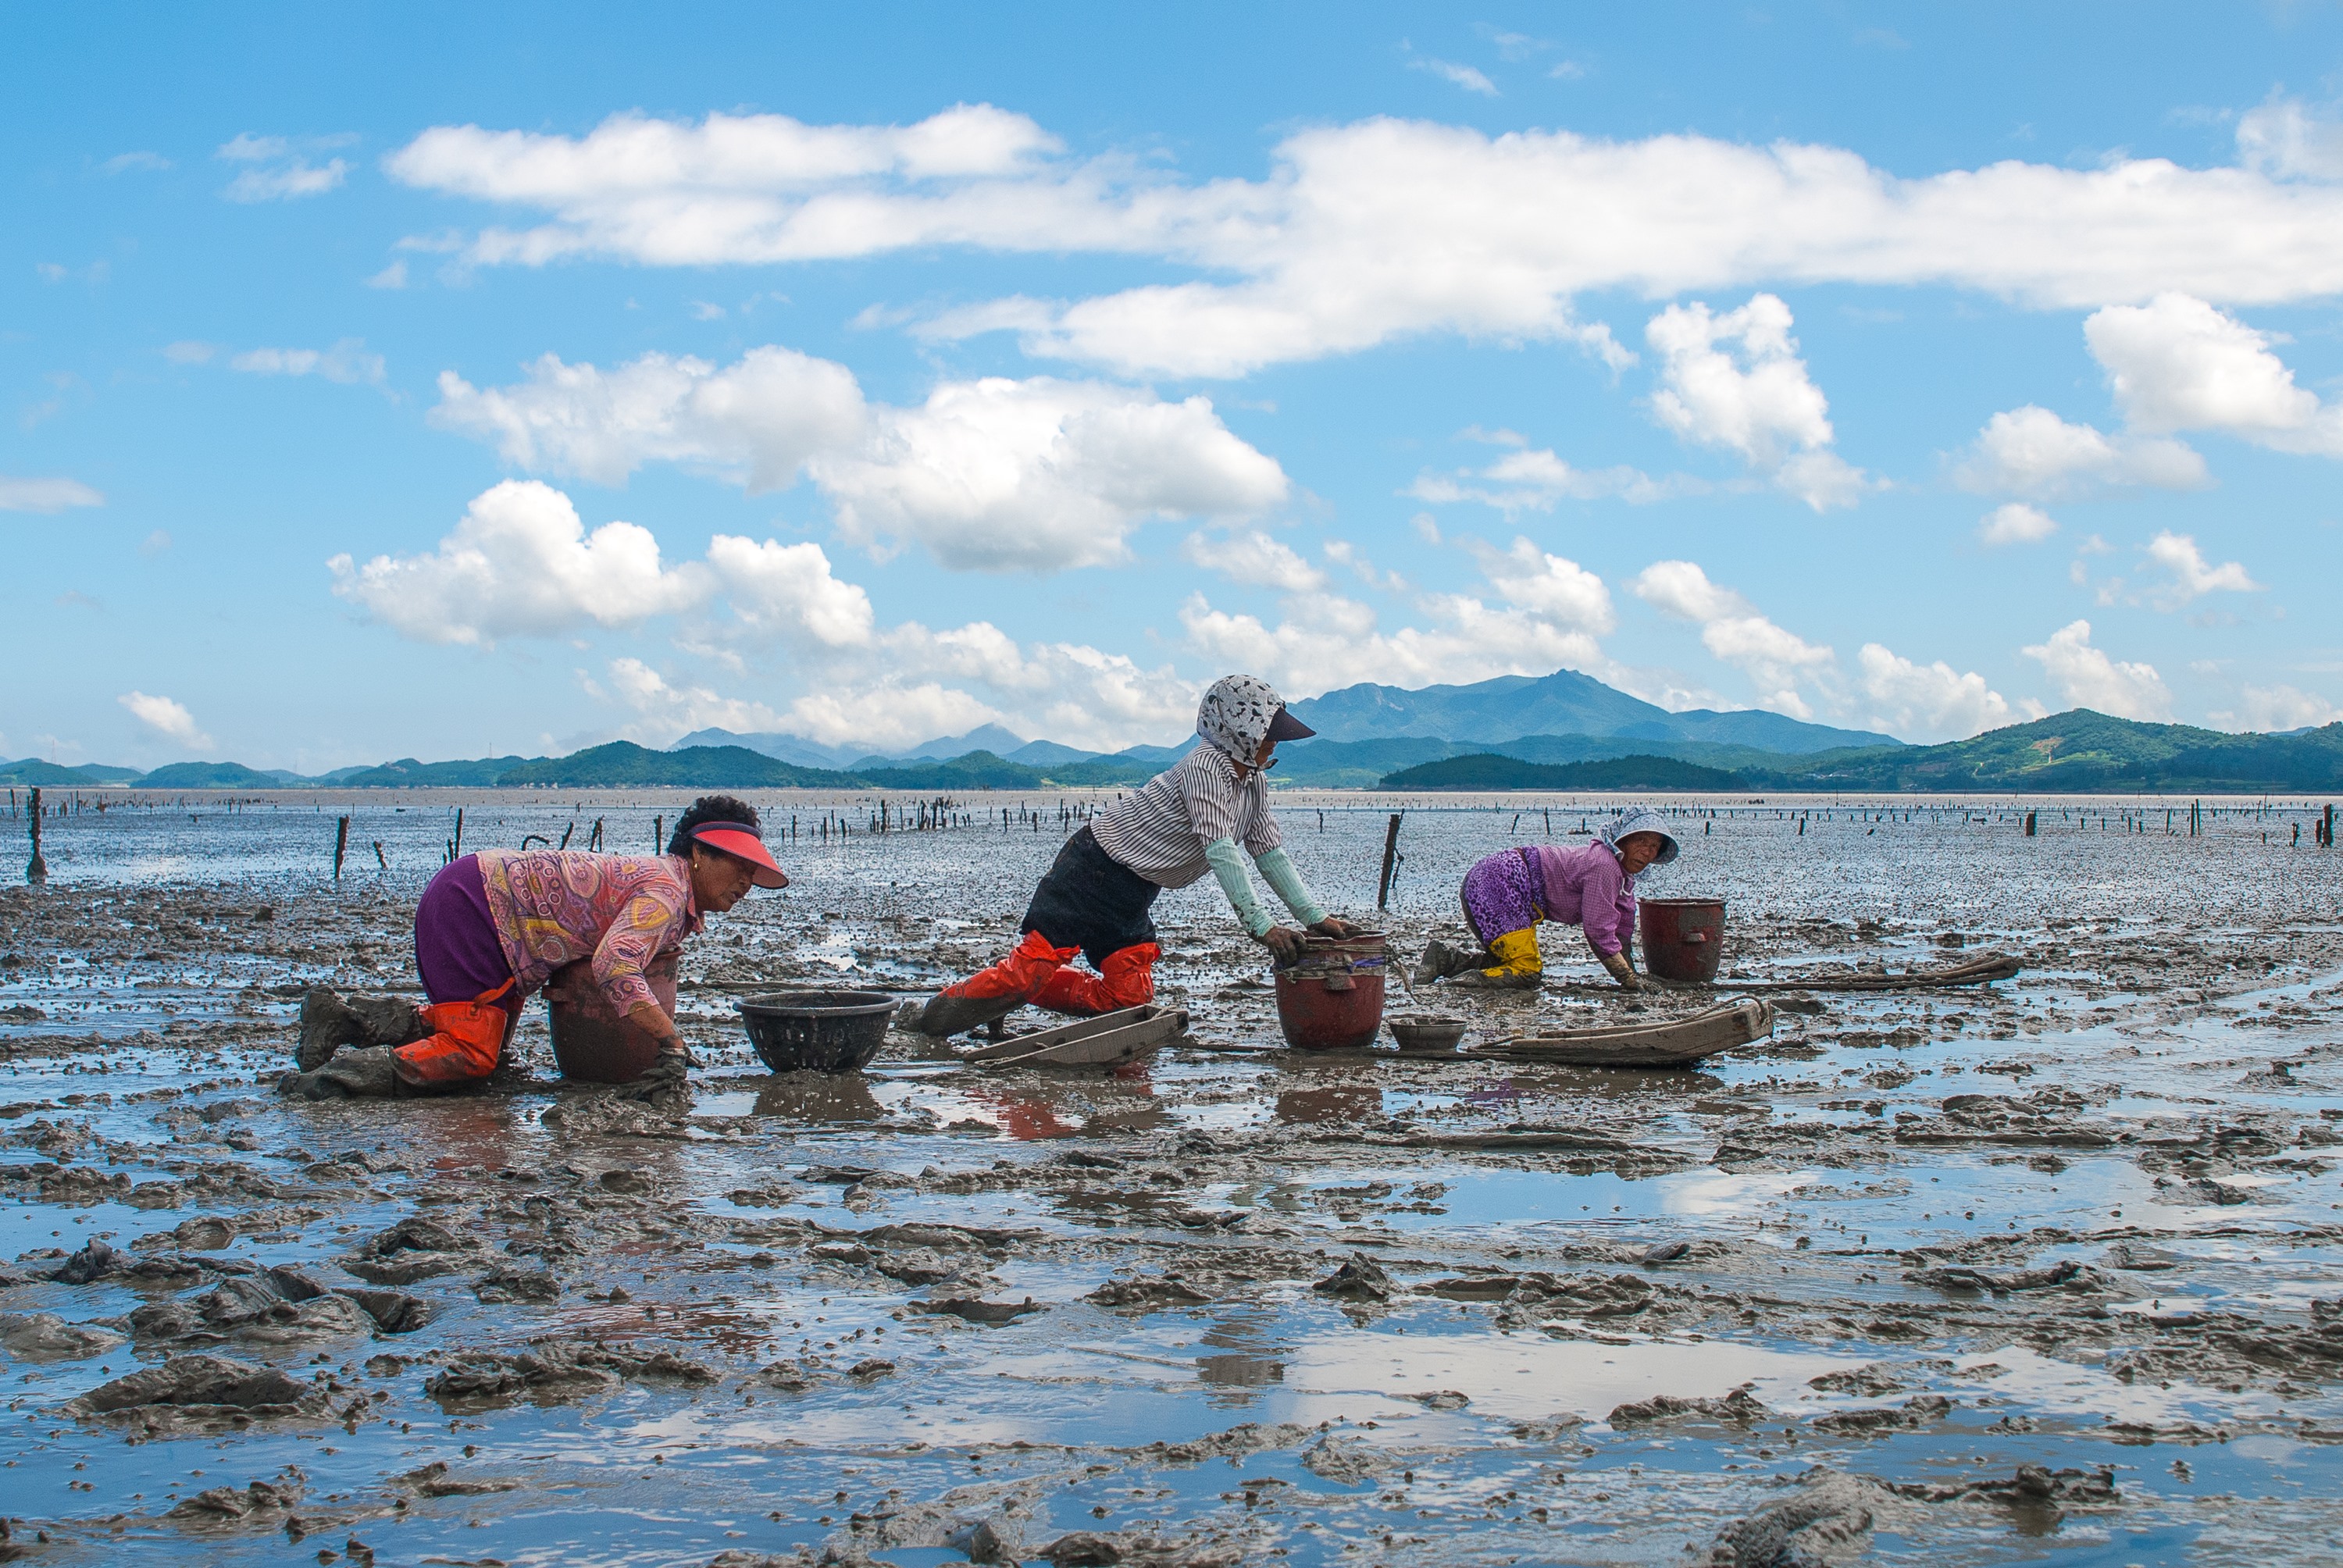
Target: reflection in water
x=1349 y=1103
x=840 y=1097
x=1248 y=1361
x=475 y=1132
x=1043 y=1105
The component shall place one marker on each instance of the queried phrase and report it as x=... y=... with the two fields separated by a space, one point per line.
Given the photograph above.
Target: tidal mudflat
x=2051 y=1268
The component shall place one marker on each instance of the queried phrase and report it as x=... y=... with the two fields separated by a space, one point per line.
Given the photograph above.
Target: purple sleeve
x=1606 y=904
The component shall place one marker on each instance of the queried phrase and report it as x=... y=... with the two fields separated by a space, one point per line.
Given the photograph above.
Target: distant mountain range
x=1564 y=703
x=2069 y=753
x=1514 y=732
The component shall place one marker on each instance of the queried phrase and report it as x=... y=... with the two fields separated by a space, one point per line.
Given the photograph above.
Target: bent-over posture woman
x=490 y=930
x=1591 y=886
x=1184 y=822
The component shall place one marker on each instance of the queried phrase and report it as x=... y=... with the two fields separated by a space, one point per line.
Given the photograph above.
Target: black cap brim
x=1285 y=727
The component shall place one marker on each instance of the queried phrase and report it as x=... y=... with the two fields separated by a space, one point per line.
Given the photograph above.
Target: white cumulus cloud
x=757 y=420
x=1931 y=699
x=165 y=717
x=2031 y=451
x=45 y=495
x=1253 y=559
x=2190 y=575
x=1759 y=401
x=520 y=563
x=1550 y=612
x=2286 y=139
x=2016 y=524
x=1734 y=632
x=2278 y=707
x=1534 y=479
x=790 y=590
x=1385 y=229
x=1557 y=590
x=2087 y=678
x=756 y=188
x=1038 y=474
x=1041 y=475
x=2179 y=364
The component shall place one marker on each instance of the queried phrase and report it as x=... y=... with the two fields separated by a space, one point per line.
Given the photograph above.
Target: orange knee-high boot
x=467 y=1038
x=998 y=991
x=1127 y=979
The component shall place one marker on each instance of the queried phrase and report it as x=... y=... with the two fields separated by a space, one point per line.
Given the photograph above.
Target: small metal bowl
x=1426 y=1034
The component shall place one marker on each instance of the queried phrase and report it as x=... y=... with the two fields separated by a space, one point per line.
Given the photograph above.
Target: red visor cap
x=741 y=844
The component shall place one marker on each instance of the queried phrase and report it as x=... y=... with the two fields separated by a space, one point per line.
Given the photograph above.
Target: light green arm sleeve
x=1228 y=864
x=1278 y=871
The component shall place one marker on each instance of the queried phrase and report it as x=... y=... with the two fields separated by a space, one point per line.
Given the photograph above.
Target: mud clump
x=198 y=1393
x=1739 y=1408
x=46 y=1337
x=1344 y=1461
x=414 y=1249
x=260 y=1503
x=975 y=1310
x=1828 y=1521
x=1925 y=1411
x=1148 y=1294
x=555 y=1371
x=1360 y=1279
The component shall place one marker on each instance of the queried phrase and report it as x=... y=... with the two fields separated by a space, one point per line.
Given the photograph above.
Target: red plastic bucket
x=592 y=1043
x=1683 y=938
x=1332 y=998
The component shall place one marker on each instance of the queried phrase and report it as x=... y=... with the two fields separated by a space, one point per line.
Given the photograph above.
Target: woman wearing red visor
x=492 y=927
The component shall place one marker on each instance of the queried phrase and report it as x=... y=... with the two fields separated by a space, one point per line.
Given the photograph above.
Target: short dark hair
x=705 y=810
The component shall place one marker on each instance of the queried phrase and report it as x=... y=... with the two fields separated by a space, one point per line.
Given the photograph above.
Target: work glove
x=1284 y=944
x=666 y=1080
x=1623 y=971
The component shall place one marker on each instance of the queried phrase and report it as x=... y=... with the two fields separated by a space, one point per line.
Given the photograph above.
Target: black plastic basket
x=817 y=1030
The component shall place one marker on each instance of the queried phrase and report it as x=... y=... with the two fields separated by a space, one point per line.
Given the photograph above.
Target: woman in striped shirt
x=1187 y=820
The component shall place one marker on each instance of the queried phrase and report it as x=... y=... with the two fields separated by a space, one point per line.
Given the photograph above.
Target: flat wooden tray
x=1107 y=1040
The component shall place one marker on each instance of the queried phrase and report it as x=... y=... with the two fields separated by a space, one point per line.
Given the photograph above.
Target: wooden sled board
x=1671 y=1044
x=1106 y=1041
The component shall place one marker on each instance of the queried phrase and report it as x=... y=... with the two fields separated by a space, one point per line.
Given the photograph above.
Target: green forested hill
x=2079 y=751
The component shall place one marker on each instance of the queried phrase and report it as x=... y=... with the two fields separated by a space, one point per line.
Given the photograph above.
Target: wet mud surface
x=2048 y=1268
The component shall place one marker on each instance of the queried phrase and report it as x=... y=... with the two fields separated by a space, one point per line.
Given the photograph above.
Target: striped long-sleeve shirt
x=1161 y=829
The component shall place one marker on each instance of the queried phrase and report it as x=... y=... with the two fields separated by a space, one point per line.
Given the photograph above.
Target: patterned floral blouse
x=554 y=907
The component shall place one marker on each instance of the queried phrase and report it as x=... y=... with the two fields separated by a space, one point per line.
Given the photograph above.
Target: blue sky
x=449 y=381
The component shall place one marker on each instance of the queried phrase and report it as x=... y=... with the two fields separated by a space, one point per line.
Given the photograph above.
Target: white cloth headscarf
x=1642 y=819
x=1236 y=714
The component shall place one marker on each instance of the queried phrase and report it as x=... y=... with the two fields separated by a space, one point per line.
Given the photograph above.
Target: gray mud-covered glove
x=665 y=1080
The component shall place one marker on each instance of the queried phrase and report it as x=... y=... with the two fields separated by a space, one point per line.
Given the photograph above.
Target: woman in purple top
x=1591 y=886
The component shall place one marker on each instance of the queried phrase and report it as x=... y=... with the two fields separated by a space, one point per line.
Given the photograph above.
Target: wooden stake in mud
x=341 y=842
x=37 y=869
x=658 y=833
x=378 y=856
x=456 y=851
x=2029 y=824
x=1391 y=857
